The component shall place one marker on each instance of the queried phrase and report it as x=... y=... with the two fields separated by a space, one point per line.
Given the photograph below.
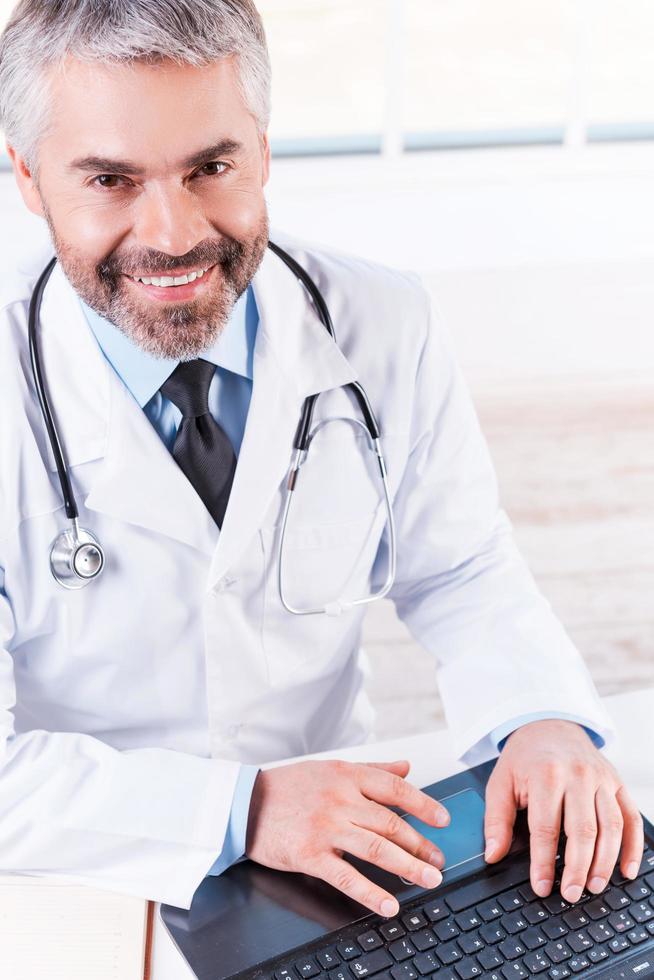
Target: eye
x=208 y=169
x=108 y=181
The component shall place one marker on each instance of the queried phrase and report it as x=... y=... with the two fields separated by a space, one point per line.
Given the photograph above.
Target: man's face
x=153 y=171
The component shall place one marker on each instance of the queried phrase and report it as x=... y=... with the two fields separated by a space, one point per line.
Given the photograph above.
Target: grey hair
x=41 y=34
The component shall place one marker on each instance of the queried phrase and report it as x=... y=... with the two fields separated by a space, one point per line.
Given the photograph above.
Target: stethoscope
x=76 y=555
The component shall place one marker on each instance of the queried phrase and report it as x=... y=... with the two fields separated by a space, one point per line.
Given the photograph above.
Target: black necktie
x=201 y=448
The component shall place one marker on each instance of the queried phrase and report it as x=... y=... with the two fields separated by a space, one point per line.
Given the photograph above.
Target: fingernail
x=491 y=846
x=389 y=908
x=437 y=859
x=431 y=877
x=543 y=887
x=632 y=869
x=573 y=893
x=597 y=884
x=442 y=818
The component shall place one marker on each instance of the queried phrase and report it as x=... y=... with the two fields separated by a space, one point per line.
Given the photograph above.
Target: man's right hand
x=305 y=815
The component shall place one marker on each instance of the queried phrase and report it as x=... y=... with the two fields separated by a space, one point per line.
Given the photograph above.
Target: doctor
x=177 y=351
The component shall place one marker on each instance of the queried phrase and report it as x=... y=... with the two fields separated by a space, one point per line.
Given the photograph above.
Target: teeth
x=165 y=281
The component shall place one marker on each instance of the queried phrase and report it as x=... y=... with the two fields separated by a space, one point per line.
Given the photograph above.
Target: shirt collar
x=143 y=374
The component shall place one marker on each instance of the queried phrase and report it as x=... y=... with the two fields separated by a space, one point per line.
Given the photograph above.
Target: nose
x=169 y=219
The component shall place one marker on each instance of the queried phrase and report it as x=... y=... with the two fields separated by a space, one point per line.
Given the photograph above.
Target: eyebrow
x=223 y=147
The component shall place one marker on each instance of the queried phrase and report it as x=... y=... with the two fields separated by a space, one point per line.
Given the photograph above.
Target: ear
x=265 y=145
x=26 y=182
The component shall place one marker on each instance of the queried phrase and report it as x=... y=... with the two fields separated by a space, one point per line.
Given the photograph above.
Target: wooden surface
x=575 y=461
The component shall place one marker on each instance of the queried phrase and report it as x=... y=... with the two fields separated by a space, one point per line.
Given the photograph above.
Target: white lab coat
x=127 y=707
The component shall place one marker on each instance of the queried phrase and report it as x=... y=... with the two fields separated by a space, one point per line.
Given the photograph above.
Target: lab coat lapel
x=294 y=356
x=137 y=480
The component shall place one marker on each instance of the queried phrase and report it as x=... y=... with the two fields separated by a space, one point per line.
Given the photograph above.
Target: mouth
x=182 y=286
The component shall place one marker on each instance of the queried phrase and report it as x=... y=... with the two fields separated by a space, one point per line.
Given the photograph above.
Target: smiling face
x=153 y=171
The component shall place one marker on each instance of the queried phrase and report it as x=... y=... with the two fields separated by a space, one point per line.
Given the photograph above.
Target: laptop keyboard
x=496 y=928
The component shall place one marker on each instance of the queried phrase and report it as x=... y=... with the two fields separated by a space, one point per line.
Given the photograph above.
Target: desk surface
x=432 y=758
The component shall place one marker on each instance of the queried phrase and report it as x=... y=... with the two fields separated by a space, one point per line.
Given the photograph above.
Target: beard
x=177 y=331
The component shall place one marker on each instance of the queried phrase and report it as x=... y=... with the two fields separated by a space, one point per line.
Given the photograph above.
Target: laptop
x=483 y=921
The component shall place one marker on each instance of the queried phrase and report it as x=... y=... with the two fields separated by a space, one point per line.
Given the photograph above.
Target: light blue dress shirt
x=229 y=401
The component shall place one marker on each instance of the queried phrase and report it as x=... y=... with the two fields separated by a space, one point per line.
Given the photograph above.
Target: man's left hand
x=552 y=768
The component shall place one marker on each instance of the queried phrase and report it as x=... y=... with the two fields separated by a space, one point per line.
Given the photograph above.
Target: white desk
x=432 y=758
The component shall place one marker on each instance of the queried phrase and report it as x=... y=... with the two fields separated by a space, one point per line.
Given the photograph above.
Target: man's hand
x=553 y=768
x=304 y=816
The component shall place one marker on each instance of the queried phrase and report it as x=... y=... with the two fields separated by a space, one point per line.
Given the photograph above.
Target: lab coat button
x=223 y=584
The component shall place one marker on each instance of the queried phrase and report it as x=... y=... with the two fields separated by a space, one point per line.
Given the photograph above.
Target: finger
x=500 y=813
x=401 y=767
x=544 y=812
x=385 y=854
x=580 y=824
x=609 y=838
x=633 y=838
x=392 y=790
x=342 y=875
x=393 y=827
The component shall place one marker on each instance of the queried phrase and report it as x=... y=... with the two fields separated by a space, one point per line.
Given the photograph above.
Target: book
x=64 y=931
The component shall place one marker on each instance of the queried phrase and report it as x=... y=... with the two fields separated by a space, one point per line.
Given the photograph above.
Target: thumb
x=399 y=768
x=500 y=813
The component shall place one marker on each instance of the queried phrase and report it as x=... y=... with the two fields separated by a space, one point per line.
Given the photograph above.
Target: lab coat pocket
x=323 y=563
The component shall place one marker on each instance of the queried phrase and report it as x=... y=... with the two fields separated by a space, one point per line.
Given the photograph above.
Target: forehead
x=153 y=114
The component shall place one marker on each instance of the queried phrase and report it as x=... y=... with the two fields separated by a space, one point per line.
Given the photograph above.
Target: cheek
x=238 y=214
x=92 y=230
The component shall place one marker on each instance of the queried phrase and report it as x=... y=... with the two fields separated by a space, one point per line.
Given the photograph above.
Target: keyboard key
x=468 y=920
x=600 y=932
x=404 y=971
x=423 y=940
x=514 y=971
x=426 y=963
x=468 y=968
x=307 y=967
x=575 y=918
x=579 y=942
x=597 y=909
x=642 y=912
x=528 y=893
x=636 y=936
x=284 y=973
x=436 y=910
x=370 y=940
x=444 y=974
x=621 y=921
x=492 y=933
x=341 y=973
x=618 y=943
x=534 y=913
x=413 y=921
x=449 y=953
x=490 y=958
x=555 y=904
x=578 y=963
x=490 y=910
x=392 y=930
x=615 y=898
x=536 y=962
x=510 y=901
x=558 y=952
x=555 y=928
x=446 y=930
x=637 y=890
x=597 y=954
x=511 y=948
x=371 y=963
x=513 y=922
x=348 y=950
x=559 y=973
x=470 y=943
x=402 y=949
x=327 y=958
x=533 y=938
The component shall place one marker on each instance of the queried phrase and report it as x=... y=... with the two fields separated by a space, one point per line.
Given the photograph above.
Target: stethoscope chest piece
x=76 y=557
